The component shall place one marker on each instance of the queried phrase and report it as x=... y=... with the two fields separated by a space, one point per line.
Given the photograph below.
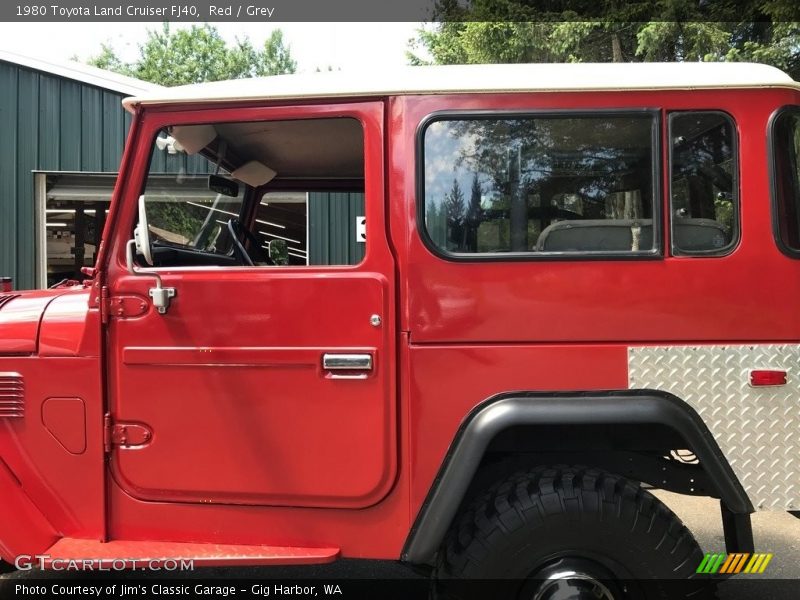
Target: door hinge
x=124 y=435
x=121 y=307
x=104 y=306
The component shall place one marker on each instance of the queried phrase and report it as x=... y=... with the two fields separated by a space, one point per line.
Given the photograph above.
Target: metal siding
x=332 y=228
x=91 y=129
x=52 y=124
x=8 y=171
x=317 y=241
x=113 y=132
x=49 y=123
x=27 y=161
x=337 y=208
x=71 y=112
x=358 y=210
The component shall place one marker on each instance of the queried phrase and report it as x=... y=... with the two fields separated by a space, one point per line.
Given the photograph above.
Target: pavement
x=777 y=533
x=774 y=532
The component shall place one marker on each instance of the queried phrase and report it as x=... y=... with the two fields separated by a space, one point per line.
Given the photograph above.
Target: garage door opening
x=71 y=211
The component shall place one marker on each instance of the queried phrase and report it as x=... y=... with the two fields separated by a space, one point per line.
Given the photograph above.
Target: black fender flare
x=572 y=408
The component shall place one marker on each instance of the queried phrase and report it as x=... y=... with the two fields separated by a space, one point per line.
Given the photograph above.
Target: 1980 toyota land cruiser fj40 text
x=462 y=317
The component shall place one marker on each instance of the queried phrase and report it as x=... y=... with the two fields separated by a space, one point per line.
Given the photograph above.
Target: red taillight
x=764 y=377
x=6 y=284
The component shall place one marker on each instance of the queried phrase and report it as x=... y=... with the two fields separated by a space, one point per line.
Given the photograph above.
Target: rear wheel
x=569 y=532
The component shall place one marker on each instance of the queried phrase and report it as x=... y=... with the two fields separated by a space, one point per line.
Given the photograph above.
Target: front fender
x=23 y=528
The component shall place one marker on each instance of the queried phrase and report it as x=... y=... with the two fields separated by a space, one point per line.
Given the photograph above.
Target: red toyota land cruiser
x=461 y=317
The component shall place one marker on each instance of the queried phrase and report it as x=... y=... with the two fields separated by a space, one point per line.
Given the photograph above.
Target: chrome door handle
x=347 y=362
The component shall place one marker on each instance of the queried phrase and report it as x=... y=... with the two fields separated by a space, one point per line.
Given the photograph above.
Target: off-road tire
x=550 y=515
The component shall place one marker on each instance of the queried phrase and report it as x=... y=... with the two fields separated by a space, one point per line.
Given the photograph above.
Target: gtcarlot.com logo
x=733 y=563
x=26 y=562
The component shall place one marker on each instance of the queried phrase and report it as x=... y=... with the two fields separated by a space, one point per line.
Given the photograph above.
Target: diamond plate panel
x=758 y=429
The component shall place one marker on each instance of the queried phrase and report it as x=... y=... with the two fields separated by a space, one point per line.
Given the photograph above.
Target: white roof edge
x=83 y=73
x=477 y=79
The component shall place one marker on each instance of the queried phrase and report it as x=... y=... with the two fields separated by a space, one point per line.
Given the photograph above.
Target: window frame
x=772 y=156
x=655 y=114
x=736 y=233
x=252 y=195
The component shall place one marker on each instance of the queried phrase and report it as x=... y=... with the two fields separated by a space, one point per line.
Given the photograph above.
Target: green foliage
x=176 y=217
x=178 y=57
x=108 y=60
x=276 y=59
x=454 y=205
x=515 y=31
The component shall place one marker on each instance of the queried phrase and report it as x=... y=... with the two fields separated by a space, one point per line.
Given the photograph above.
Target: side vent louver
x=12 y=396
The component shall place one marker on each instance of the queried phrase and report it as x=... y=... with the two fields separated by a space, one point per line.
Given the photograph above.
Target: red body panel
x=19 y=321
x=142 y=555
x=671 y=299
x=69 y=328
x=256 y=370
x=252 y=443
x=435 y=413
x=62 y=479
x=28 y=531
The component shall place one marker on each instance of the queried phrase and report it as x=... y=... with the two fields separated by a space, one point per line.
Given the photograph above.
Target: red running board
x=71 y=554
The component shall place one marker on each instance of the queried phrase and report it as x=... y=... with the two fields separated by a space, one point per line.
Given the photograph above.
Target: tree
x=276 y=59
x=454 y=209
x=177 y=57
x=473 y=217
x=491 y=31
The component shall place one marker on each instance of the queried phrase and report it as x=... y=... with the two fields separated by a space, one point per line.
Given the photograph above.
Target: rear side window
x=553 y=184
x=786 y=148
x=704 y=186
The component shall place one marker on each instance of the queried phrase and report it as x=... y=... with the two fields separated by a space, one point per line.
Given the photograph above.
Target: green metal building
x=63 y=129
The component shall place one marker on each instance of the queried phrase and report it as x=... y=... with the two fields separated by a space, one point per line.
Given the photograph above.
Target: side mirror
x=141 y=243
x=279 y=252
x=141 y=234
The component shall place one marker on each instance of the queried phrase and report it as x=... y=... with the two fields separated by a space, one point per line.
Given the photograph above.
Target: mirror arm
x=161 y=296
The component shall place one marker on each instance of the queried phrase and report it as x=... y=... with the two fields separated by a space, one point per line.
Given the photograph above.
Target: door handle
x=343 y=376
x=347 y=362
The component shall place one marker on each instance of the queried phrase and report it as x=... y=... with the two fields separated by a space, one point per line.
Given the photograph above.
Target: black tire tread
x=528 y=498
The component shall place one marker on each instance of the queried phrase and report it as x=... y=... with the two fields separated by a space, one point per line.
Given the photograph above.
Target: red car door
x=260 y=385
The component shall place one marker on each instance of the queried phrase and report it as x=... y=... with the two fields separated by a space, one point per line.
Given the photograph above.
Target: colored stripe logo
x=730 y=564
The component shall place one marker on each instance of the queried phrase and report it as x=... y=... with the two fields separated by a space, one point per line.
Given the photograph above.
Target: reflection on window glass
x=540 y=184
x=183 y=208
x=258 y=193
x=704 y=204
x=786 y=140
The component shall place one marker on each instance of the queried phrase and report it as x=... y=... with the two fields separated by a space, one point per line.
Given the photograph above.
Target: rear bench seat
x=616 y=235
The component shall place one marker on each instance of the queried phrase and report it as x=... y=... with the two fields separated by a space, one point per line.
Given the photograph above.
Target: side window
x=704 y=188
x=540 y=185
x=184 y=213
x=313 y=226
x=786 y=165
x=277 y=193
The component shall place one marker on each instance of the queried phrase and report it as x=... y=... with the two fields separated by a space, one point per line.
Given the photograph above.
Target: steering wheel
x=257 y=255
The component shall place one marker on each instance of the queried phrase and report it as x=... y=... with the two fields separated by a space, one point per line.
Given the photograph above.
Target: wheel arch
x=504 y=411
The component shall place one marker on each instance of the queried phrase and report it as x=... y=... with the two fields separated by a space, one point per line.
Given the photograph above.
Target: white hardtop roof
x=477 y=78
x=83 y=73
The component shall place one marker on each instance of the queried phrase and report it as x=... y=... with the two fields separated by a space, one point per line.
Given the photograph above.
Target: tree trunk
x=616 y=47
